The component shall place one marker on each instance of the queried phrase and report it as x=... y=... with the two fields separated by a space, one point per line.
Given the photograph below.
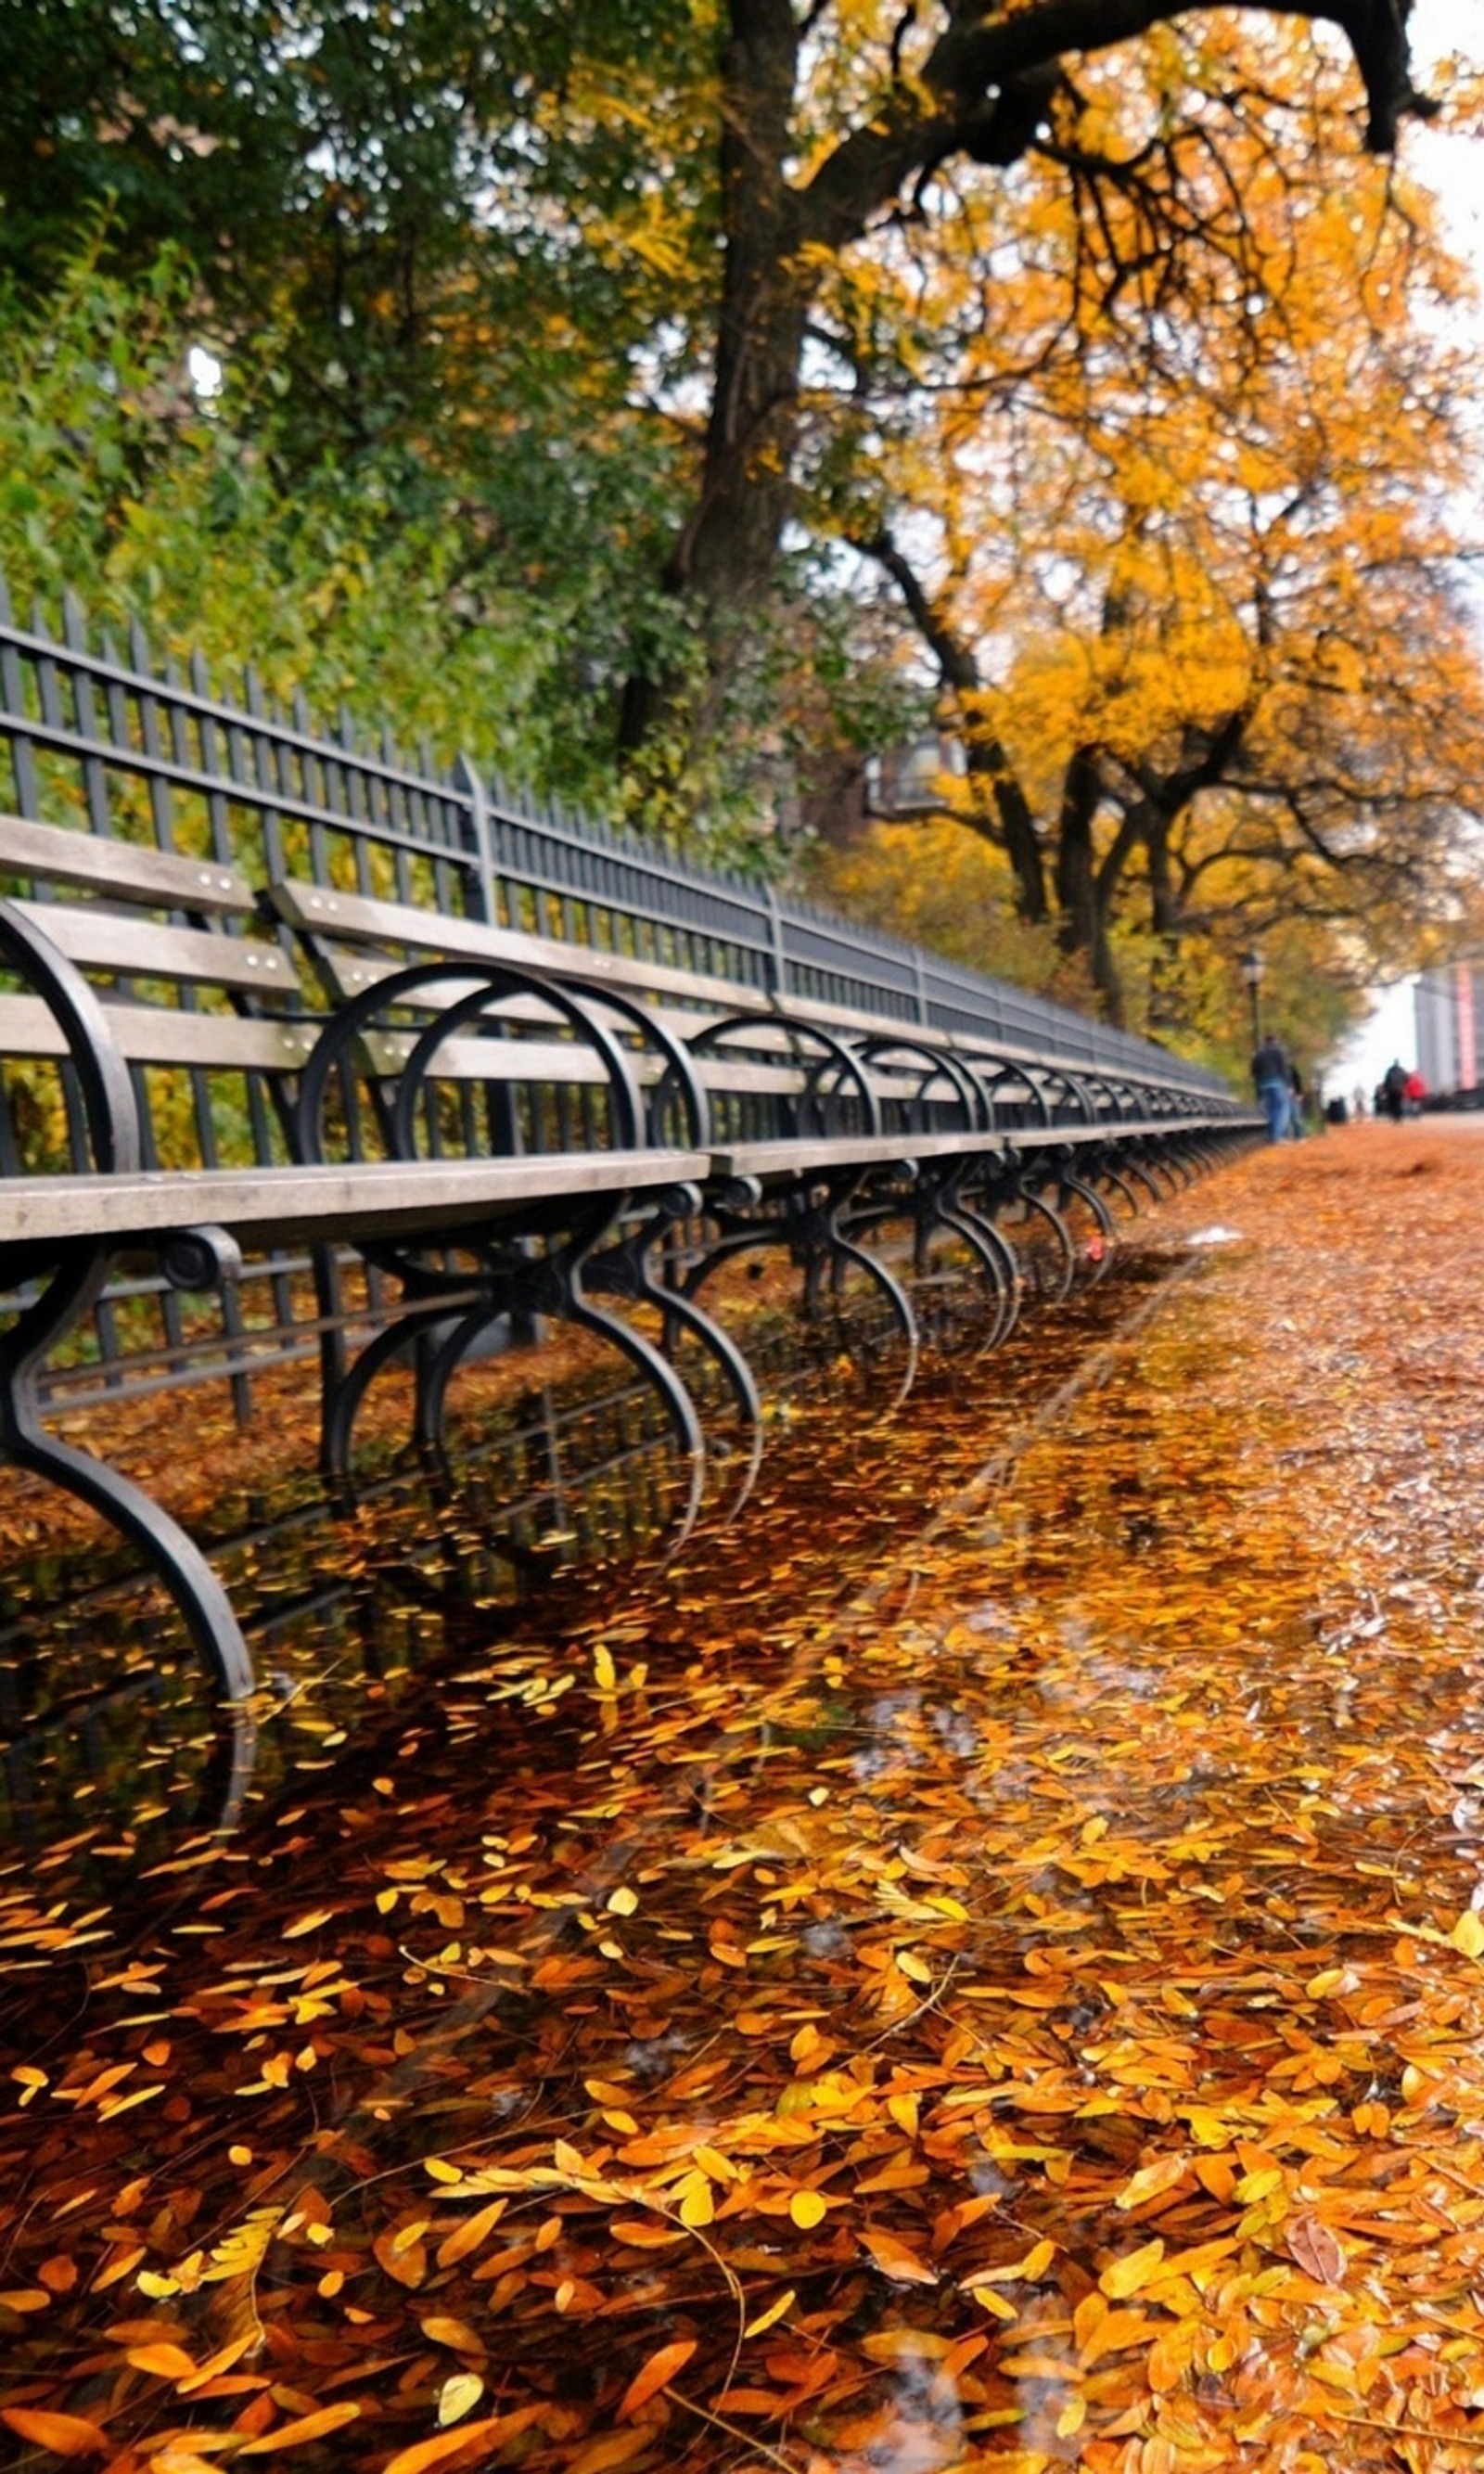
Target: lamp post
x=1251 y=972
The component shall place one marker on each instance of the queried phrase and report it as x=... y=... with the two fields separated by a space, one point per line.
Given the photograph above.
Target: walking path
x=981 y=1969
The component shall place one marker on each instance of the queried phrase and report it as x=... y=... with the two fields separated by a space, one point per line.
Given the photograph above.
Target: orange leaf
x=405 y=2260
x=308 y=2426
x=468 y=2236
x=455 y=2333
x=166 y=2361
x=653 y=2375
x=896 y=2261
x=445 y=2444
x=65 y=2435
x=615 y=2448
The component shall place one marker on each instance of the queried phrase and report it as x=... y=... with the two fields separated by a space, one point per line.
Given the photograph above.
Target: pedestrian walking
x=1394 y=1090
x=1271 y=1071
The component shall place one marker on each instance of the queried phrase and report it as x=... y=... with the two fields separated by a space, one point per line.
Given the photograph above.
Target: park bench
x=502 y=1128
x=215 y=1000
x=824 y=1124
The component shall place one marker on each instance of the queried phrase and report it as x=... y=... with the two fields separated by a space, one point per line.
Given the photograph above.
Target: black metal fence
x=103 y=736
x=106 y=739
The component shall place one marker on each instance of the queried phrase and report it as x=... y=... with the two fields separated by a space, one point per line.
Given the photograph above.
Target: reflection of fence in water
x=340 y=1613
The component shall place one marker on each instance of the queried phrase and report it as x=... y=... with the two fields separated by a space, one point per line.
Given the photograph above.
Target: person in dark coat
x=1394 y=1089
x=1271 y=1071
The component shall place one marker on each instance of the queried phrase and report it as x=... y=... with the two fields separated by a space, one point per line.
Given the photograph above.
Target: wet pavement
x=976 y=1965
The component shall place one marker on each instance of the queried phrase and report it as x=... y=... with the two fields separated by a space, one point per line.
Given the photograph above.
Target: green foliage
x=162 y=509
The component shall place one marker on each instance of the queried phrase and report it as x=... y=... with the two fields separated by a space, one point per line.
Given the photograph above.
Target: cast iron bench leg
x=174 y=1559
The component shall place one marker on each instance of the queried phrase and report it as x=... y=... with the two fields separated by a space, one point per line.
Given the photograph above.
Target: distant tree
x=1197 y=611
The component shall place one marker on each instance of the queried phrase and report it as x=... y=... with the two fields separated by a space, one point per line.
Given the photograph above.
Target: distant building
x=1450 y=1011
x=908 y=782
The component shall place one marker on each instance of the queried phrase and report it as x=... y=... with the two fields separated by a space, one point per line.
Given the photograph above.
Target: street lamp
x=1251 y=972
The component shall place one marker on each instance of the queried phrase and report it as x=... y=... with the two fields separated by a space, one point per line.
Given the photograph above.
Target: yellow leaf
x=1134 y=2269
x=1467 y=1933
x=914 y=1967
x=1072 y=2417
x=775 y=2311
x=457 y=2396
x=311 y=1923
x=697 y=2207
x=603 y=1671
x=1326 y=1982
x=807 y=2210
x=622 y=1901
x=1151 y=2179
x=1014 y=2271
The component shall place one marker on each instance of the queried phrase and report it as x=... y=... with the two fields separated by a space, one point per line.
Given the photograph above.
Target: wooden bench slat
x=100 y=940
x=328 y=914
x=164 y=879
x=279 y=1204
x=318 y=913
x=165 y=1035
x=798 y=1155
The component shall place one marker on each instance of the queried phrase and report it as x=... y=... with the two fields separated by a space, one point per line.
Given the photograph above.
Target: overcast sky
x=1455 y=166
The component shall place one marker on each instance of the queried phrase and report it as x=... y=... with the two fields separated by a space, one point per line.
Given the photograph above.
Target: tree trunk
x=987 y=759
x=1164 y=902
x=1083 y=927
x=729 y=548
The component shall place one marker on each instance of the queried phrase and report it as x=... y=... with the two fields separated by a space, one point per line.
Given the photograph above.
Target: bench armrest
x=108 y=1106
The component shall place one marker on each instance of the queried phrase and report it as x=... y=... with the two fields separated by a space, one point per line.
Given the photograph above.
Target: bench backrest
x=919 y=1079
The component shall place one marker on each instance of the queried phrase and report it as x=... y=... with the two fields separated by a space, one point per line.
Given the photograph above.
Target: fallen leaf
x=65 y=2435
x=653 y=2375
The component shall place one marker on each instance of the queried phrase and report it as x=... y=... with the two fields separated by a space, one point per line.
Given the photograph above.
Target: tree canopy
x=646 y=311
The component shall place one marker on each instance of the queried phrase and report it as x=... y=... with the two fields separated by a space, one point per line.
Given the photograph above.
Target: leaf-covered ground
x=983 y=1966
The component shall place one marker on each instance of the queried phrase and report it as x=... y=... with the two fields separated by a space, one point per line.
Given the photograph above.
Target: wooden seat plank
x=161 y=880
x=365 y=1199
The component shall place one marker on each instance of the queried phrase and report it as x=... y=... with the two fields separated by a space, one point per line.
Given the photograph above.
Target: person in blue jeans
x=1272 y=1081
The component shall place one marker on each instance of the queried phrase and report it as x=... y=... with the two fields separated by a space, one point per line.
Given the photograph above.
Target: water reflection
x=550 y=1467
x=102 y=1710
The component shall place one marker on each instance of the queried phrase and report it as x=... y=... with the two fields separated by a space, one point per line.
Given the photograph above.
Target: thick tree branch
x=989 y=80
x=987 y=759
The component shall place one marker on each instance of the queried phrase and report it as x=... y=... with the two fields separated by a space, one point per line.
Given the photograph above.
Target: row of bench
x=504 y=1129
